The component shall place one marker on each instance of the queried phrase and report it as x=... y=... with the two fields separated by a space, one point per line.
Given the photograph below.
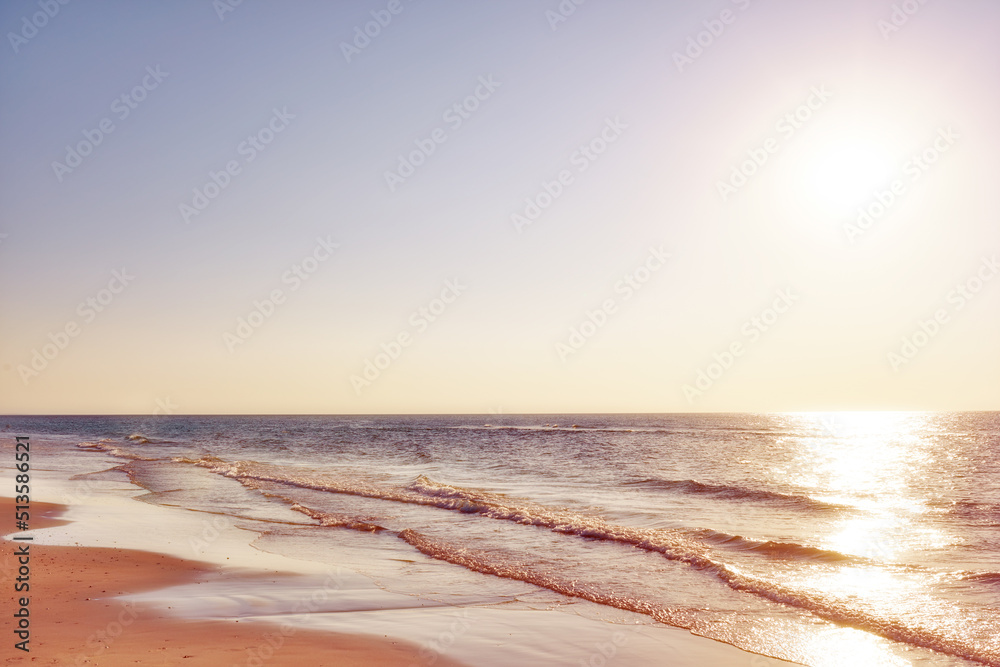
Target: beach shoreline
x=109 y=590
x=75 y=618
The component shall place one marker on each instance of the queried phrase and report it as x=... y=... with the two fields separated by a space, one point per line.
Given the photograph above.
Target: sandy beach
x=76 y=620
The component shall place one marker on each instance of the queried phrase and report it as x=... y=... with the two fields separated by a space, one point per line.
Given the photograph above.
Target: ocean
x=826 y=539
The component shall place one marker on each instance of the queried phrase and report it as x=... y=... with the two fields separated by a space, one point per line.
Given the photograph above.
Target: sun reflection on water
x=837 y=647
x=883 y=471
x=881 y=466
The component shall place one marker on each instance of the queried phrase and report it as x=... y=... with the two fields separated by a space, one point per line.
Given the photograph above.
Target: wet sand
x=76 y=620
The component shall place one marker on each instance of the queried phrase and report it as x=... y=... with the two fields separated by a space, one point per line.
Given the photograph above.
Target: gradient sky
x=884 y=96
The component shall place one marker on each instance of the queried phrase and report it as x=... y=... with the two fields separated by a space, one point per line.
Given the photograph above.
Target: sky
x=407 y=206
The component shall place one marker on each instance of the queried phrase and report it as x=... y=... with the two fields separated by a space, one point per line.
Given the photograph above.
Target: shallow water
x=847 y=538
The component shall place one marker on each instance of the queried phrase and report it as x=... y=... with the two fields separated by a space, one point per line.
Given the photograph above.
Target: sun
x=845 y=170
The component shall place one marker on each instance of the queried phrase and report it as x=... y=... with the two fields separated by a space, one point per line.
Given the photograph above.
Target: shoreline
x=75 y=618
x=245 y=594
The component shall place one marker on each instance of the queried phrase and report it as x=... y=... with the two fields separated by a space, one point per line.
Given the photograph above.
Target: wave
x=832 y=610
x=547 y=428
x=332 y=520
x=691 y=487
x=977 y=513
x=773 y=549
x=604 y=428
x=424 y=491
x=490 y=563
x=991 y=578
x=114 y=450
x=684 y=546
x=677 y=544
x=143 y=439
x=672 y=544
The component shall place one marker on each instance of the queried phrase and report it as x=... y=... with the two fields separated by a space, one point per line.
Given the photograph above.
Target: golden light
x=834 y=647
x=860 y=456
x=871 y=537
x=846 y=169
x=872 y=462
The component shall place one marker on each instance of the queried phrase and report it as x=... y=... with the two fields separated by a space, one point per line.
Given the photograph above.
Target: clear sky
x=518 y=206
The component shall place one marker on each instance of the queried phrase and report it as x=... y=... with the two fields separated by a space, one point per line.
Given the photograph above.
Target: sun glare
x=845 y=172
